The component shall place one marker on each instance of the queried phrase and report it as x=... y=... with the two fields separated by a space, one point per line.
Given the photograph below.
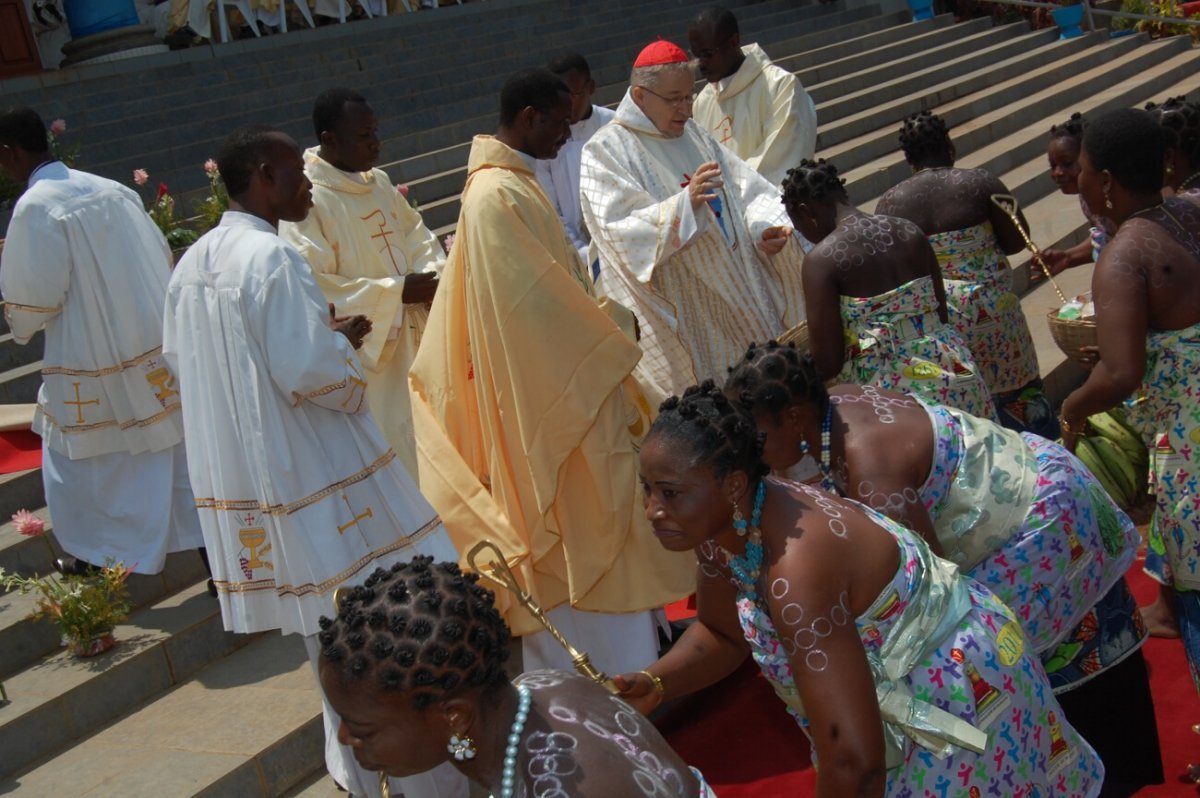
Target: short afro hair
x=330 y=107
x=21 y=127
x=568 y=63
x=539 y=89
x=241 y=153
x=1130 y=145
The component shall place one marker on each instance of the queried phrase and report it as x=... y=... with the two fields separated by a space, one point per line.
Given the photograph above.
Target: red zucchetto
x=660 y=52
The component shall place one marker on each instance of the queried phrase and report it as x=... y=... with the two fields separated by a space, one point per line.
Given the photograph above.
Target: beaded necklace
x=747 y=567
x=1187 y=180
x=826 y=436
x=508 y=778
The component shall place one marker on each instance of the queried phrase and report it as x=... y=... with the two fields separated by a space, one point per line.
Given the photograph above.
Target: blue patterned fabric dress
x=967 y=709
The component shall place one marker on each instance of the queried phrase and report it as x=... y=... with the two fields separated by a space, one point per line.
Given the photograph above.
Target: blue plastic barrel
x=89 y=17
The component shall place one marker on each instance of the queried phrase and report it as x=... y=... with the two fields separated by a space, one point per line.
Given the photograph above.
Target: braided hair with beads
x=924 y=136
x=812 y=181
x=772 y=377
x=1180 y=123
x=419 y=627
x=717 y=433
x=1071 y=129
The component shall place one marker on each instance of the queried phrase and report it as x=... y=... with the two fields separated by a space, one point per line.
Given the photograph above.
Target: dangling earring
x=1107 y=199
x=1170 y=170
x=804 y=448
x=740 y=525
x=461 y=747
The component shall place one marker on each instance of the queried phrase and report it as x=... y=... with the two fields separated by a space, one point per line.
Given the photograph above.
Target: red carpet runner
x=740 y=736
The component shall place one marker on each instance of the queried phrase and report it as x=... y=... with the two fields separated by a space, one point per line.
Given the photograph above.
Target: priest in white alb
x=297 y=489
x=695 y=242
x=758 y=110
x=84 y=262
x=372 y=255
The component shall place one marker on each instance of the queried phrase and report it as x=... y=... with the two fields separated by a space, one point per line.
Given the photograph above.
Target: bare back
x=868 y=255
x=943 y=199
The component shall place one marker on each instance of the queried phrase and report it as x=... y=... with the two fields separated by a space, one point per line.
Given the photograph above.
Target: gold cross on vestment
x=368 y=513
x=384 y=233
x=79 y=404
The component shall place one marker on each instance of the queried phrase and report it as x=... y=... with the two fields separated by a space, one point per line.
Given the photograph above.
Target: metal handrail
x=1101 y=11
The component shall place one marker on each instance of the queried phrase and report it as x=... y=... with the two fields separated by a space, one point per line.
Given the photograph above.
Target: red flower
x=162 y=191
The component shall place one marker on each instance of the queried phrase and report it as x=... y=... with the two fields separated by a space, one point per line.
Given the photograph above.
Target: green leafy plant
x=1159 y=28
x=216 y=203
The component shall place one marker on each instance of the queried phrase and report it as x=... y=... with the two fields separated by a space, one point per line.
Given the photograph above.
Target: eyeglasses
x=677 y=102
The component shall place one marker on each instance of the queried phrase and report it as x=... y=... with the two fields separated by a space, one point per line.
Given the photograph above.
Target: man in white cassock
x=84 y=262
x=692 y=240
x=559 y=176
x=297 y=490
x=371 y=253
x=753 y=107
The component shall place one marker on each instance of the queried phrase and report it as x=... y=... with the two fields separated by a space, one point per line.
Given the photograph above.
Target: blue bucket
x=89 y=17
x=1069 y=20
x=921 y=9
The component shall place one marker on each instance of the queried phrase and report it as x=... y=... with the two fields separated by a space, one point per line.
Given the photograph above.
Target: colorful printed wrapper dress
x=966 y=706
x=1025 y=517
x=1166 y=411
x=897 y=341
x=988 y=315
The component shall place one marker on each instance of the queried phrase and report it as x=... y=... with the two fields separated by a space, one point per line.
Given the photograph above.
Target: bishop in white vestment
x=692 y=239
x=84 y=262
x=368 y=248
x=296 y=487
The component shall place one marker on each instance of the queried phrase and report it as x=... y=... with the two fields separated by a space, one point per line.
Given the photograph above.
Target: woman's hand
x=1055 y=260
x=638 y=690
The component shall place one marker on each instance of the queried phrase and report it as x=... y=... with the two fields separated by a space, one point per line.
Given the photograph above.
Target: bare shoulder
x=582 y=741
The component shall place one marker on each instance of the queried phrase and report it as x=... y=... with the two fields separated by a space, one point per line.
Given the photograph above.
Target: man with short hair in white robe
x=297 y=489
x=84 y=262
x=692 y=239
x=559 y=176
x=371 y=253
x=753 y=107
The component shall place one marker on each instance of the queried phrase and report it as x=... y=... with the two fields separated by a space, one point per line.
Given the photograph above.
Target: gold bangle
x=659 y=687
x=1066 y=426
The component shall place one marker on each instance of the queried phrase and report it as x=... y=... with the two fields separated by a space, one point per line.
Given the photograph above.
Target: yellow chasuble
x=362 y=238
x=518 y=395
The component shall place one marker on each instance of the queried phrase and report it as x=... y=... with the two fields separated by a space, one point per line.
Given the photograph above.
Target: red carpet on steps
x=740 y=736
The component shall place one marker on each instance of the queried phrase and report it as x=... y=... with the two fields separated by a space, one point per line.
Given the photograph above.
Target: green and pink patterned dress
x=984 y=309
x=897 y=341
x=952 y=671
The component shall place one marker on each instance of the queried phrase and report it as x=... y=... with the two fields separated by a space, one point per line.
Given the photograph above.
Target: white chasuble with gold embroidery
x=362 y=238
x=84 y=262
x=700 y=288
x=297 y=490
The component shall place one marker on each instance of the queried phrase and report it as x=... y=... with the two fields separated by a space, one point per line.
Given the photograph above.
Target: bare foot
x=1159 y=617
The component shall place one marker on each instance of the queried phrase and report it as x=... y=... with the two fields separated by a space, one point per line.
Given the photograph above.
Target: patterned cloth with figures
x=896 y=341
x=983 y=307
x=1026 y=518
x=944 y=649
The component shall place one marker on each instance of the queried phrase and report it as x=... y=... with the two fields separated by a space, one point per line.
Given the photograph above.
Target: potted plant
x=86 y=608
x=1069 y=20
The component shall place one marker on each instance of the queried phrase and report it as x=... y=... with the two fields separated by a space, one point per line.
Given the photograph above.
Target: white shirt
x=560 y=178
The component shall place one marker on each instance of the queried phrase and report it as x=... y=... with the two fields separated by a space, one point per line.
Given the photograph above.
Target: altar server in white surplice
x=753 y=107
x=559 y=176
x=297 y=489
x=84 y=262
x=691 y=239
x=371 y=253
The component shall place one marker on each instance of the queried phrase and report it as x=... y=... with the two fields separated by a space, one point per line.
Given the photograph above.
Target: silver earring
x=461 y=747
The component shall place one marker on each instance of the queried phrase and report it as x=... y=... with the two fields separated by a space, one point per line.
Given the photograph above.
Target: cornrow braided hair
x=422 y=627
x=1071 y=129
x=1180 y=123
x=924 y=135
x=773 y=377
x=812 y=181
x=718 y=433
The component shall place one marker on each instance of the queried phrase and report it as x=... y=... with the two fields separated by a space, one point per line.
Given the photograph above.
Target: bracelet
x=1066 y=427
x=659 y=687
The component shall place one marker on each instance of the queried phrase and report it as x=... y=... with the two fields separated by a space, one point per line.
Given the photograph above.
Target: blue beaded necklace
x=826 y=435
x=747 y=567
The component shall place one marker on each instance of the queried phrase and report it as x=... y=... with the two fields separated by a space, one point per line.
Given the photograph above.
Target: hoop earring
x=461 y=747
x=740 y=524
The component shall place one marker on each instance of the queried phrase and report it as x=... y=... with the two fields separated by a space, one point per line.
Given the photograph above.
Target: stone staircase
x=183 y=708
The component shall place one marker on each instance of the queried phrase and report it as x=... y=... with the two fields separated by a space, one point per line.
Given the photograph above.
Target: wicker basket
x=798 y=335
x=1071 y=334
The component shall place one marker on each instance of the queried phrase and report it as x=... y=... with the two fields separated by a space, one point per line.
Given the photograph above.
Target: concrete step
x=20 y=490
x=247 y=725
x=62 y=698
x=13 y=354
x=24 y=641
x=20 y=385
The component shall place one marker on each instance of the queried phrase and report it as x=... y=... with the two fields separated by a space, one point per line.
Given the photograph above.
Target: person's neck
x=1133 y=205
x=253 y=208
x=587 y=114
x=506 y=137
x=331 y=159
x=737 y=64
x=31 y=163
x=843 y=210
x=1187 y=176
x=490 y=732
x=943 y=162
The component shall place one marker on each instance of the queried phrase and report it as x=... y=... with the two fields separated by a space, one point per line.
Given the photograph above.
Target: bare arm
x=822 y=302
x=1007 y=234
x=939 y=285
